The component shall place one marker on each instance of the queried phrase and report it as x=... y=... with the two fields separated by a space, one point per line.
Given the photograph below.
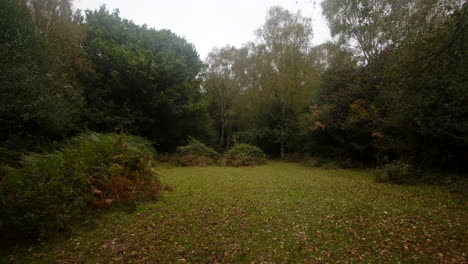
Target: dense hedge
x=245 y=155
x=196 y=153
x=89 y=171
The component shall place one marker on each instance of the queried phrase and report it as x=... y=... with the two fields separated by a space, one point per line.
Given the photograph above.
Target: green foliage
x=427 y=96
x=60 y=27
x=245 y=155
x=195 y=153
x=264 y=87
x=290 y=78
x=396 y=172
x=329 y=164
x=223 y=86
x=32 y=100
x=406 y=100
x=344 y=122
x=294 y=156
x=400 y=172
x=374 y=25
x=89 y=171
x=145 y=81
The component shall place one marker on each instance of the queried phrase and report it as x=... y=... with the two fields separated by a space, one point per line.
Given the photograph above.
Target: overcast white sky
x=210 y=23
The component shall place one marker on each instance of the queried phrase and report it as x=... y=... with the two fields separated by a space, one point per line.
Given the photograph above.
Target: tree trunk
x=282 y=147
x=221 y=135
x=228 y=136
x=283 y=115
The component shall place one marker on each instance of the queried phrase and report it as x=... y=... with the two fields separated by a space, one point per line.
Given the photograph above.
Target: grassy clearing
x=278 y=213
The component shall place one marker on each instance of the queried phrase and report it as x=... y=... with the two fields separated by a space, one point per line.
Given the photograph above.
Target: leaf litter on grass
x=278 y=213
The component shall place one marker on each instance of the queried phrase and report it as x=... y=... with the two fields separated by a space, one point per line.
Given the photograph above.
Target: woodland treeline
x=392 y=85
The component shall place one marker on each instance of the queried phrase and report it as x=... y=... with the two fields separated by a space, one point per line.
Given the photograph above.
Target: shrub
x=196 y=153
x=330 y=164
x=89 y=171
x=396 y=172
x=167 y=159
x=245 y=155
x=294 y=157
x=400 y=172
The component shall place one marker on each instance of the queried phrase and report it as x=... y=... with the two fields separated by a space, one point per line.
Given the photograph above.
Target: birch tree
x=292 y=80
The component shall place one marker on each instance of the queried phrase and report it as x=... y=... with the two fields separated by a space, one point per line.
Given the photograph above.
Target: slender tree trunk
x=228 y=136
x=283 y=114
x=221 y=135
x=282 y=148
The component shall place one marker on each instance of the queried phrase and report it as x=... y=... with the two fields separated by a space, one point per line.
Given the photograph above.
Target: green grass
x=278 y=213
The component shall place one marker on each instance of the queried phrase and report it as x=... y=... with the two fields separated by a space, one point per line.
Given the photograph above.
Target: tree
x=32 y=101
x=61 y=29
x=223 y=86
x=330 y=56
x=286 y=39
x=374 y=25
x=406 y=98
x=427 y=96
x=146 y=81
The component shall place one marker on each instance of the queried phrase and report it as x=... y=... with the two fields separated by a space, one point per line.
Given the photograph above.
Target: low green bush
x=401 y=172
x=167 y=158
x=329 y=164
x=196 y=153
x=89 y=171
x=245 y=155
x=294 y=157
x=396 y=172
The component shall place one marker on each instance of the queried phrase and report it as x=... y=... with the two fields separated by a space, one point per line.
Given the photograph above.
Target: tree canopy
x=145 y=81
x=391 y=85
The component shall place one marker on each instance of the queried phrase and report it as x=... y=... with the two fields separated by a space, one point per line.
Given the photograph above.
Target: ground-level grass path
x=277 y=213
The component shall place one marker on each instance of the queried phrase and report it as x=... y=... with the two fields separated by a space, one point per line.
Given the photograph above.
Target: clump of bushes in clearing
x=196 y=153
x=395 y=172
x=401 y=172
x=245 y=155
x=294 y=157
x=330 y=164
x=89 y=171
